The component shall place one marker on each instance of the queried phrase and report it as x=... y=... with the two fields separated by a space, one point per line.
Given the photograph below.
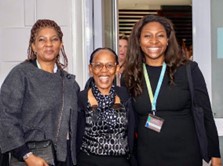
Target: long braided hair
x=44 y=23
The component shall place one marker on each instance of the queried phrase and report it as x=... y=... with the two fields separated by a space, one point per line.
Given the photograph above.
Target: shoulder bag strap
x=190 y=81
x=198 y=115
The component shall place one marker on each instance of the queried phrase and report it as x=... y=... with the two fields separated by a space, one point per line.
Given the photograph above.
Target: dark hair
x=103 y=48
x=45 y=23
x=133 y=74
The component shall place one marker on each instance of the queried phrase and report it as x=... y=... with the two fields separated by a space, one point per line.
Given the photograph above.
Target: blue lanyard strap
x=153 y=99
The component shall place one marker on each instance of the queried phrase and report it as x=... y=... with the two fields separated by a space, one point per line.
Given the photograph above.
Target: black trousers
x=97 y=160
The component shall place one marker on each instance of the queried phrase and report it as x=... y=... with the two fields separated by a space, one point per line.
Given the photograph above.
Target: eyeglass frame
x=102 y=65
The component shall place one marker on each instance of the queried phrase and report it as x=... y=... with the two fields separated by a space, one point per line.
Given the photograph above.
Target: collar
x=122 y=92
x=54 y=69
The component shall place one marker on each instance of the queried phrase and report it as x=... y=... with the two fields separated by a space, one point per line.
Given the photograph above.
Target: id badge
x=154 y=123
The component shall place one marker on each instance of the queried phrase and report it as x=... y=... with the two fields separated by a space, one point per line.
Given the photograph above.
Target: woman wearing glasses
x=105 y=120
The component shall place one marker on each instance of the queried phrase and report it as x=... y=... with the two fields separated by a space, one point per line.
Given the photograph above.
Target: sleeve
x=80 y=122
x=20 y=152
x=11 y=100
x=202 y=99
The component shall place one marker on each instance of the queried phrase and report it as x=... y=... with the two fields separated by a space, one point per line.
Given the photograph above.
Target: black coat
x=126 y=100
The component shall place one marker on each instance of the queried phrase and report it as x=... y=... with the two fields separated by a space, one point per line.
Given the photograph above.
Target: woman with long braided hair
x=38 y=100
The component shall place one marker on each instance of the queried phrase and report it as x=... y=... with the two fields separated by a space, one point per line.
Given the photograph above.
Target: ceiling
x=150 y=4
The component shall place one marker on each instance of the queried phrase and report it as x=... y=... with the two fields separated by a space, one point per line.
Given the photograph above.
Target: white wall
x=202 y=39
x=74 y=16
x=16 y=20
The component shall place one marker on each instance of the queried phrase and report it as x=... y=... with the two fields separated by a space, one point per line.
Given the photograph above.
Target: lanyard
x=153 y=99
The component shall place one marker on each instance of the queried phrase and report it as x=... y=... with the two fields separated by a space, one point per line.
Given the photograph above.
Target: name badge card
x=154 y=123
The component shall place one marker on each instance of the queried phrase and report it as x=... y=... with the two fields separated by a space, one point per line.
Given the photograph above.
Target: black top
x=106 y=131
x=125 y=101
x=177 y=143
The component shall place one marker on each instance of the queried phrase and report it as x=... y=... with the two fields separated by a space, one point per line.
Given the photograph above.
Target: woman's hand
x=216 y=161
x=33 y=160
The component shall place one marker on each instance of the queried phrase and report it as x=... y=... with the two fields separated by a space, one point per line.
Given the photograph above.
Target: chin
x=104 y=87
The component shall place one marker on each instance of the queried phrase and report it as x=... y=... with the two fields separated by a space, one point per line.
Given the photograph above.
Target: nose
x=153 y=40
x=49 y=43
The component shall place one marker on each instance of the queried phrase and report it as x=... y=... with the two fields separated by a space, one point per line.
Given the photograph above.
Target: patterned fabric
x=106 y=126
x=104 y=101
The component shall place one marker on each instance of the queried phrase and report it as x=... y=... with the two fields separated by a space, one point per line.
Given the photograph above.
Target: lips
x=104 y=79
x=48 y=51
x=154 y=49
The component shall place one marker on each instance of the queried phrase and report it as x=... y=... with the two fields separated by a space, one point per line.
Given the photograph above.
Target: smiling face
x=103 y=69
x=47 y=45
x=153 y=42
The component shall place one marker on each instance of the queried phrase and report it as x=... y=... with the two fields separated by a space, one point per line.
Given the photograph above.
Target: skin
x=104 y=78
x=47 y=46
x=35 y=161
x=123 y=44
x=216 y=161
x=153 y=42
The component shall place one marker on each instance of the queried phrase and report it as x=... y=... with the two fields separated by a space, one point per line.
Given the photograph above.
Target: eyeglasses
x=100 y=66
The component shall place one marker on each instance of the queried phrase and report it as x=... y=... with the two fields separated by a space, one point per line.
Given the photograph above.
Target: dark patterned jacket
x=125 y=100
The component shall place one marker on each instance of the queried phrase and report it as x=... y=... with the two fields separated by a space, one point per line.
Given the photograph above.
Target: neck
x=47 y=66
x=121 y=62
x=104 y=92
x=155 y=62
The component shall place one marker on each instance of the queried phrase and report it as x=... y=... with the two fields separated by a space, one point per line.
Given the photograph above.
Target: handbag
x=45 y=148
x=198 y=116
